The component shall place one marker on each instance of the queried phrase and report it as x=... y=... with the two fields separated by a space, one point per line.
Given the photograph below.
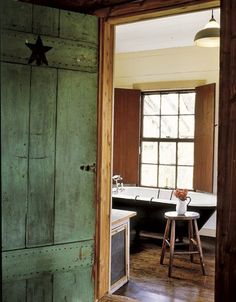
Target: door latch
x=88 y=168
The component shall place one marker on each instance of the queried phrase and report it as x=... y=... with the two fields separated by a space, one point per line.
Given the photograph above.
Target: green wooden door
x=49 y=133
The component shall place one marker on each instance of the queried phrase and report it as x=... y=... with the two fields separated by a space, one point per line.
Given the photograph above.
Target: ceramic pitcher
x=181 y=205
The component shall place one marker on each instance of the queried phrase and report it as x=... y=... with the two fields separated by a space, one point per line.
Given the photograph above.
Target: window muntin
x=167 y=139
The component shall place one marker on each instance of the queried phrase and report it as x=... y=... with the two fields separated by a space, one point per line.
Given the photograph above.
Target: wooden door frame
x=105 y=120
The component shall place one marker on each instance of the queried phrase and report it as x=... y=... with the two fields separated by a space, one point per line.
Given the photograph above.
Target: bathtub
x=151 y=204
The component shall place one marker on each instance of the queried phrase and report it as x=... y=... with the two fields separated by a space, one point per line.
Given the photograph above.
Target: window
x=167 y=139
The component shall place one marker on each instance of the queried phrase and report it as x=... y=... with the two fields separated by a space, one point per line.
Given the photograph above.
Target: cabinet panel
x=119 y=273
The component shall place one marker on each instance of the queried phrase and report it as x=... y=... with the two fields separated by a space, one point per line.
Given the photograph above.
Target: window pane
x=167 y=153
x=185 y=177
x=149 y=152
x=167 y=176
x=186 y=126
x=149 y=175
x=151 y=104
x=169 y=126
x=187 y=103
x=185 y=153
x=169 y=103
x=151 y=126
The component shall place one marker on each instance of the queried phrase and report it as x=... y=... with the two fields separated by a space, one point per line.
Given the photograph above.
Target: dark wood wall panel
x=226 y=211
x=204 y=138
x=126 y=135
x=41 y=156
x=15 y=97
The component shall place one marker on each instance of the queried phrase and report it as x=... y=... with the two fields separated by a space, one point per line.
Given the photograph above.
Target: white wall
x=160 y=67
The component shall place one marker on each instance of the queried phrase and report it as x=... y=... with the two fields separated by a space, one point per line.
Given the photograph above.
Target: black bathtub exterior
x=150 y=215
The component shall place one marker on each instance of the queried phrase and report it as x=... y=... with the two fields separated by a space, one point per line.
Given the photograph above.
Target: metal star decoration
x=38 y=52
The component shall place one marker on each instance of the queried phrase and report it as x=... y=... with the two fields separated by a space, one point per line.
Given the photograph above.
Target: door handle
x=88 y=168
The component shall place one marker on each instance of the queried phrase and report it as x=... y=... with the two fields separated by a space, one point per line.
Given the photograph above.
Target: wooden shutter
x=126 y=135
x=204 y=138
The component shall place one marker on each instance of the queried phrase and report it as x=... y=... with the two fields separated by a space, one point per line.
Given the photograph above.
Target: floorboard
x=115 y=298
x=149 y=281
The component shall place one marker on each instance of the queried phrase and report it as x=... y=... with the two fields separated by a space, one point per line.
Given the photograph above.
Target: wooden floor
x=149 y=280
x=116 y=298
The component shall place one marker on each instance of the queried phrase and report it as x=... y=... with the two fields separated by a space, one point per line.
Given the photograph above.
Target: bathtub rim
x=153 y=200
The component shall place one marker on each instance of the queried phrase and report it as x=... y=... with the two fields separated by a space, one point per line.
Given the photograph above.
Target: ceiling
x=83 y=6
x=166 y=32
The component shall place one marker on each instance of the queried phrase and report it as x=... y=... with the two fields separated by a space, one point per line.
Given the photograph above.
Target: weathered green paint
x=33 y=262
x=40 y=289
x=40 y=220
x=15 y=96
x=76 y=145
x=48 y=132
x=14 y=291
x=78 y=27
x=45 y=21
x=78 y=284
x=66 y=54
x=16 y=15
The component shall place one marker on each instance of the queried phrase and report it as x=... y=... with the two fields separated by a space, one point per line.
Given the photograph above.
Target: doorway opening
x=150 y=76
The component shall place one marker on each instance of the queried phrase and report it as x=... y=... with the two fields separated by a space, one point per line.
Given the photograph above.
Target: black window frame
x=160 y=139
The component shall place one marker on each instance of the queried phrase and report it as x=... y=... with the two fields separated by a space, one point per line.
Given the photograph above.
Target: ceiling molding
x=122 y=8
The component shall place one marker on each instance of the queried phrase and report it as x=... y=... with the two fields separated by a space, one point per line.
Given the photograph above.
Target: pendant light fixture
x=209 y=36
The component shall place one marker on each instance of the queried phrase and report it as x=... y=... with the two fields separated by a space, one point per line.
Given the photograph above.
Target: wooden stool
x=191 y=217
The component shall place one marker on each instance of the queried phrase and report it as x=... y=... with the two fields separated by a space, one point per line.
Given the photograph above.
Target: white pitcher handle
x=188 y=197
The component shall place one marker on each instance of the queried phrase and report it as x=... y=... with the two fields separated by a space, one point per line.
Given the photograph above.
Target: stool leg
x=199 y=246
x=163 y=249
x=172 y=246
x=190 y=236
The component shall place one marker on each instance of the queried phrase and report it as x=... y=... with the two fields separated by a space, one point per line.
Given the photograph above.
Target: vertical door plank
x=126 y=134
x=15 y=126
x=40 y=289
x=41 y=156
x=74 y=286
x=78 y=27
x=14 y=291
x=75 y=146
x=16 y=15
x=45 y=20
